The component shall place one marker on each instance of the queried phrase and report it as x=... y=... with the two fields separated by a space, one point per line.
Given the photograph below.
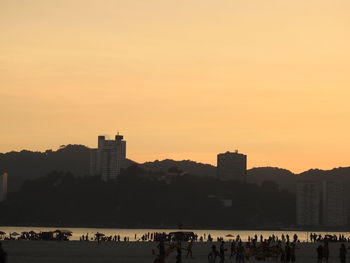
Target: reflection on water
x=78 y=232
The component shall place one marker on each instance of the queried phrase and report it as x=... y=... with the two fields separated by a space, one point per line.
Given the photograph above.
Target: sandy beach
x=128 y=252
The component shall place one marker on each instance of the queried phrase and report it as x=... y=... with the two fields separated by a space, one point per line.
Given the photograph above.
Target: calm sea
x=78 y=232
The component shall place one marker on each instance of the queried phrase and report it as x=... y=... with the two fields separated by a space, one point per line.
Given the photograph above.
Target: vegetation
x=142 y=199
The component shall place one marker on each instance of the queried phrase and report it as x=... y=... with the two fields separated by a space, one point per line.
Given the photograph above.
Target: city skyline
x=214 y=163
x=197 y=78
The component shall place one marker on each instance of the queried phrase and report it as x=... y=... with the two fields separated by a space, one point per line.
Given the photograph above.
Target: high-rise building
x=308 y=200
x=231 y=166
x=108 y=159
x=334 y=210
x=3 y=187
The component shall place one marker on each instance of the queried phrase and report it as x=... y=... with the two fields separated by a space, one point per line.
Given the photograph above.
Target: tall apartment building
x=231 y=166
x=321 y=203
x=308 y=200
x=334 y=210
x=109 y=157
x=3 y=186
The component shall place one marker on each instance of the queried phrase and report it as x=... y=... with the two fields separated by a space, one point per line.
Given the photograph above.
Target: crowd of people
x=229 y=248
x=31 y=235
x=282 y=249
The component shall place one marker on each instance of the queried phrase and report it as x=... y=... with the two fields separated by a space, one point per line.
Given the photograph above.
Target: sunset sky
x=180 y=79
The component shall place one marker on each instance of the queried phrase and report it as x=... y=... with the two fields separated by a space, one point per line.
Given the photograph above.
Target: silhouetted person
x=233 y=248
x=288 y=253
x=179 y=253
x=292 y=253
x=342 y=253
x=3 y=255
x=240 y=253
x=319 y=254
x=222 y=252
x=189 y=248
x=161 y=249
x=326 y=252
x=212 y=255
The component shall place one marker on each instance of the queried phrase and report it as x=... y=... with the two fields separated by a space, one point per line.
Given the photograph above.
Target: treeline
x=140 y=198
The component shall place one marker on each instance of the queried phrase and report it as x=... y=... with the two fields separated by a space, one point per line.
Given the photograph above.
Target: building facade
x=109 y=157
x=321 y=203
x=308 y=200
x=334 y=210
x=231 y=166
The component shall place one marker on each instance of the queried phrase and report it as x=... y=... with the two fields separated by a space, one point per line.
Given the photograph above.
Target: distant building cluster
x=321 y=203
x=3 y=186
x=108 y=158
x=231 y=166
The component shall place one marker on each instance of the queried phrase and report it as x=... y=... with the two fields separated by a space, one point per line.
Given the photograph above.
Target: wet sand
x=128 y=252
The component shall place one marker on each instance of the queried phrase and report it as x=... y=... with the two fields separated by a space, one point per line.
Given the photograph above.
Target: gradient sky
x=180 y=79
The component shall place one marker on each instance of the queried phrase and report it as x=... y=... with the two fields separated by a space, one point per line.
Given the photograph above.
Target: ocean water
x=244 y=234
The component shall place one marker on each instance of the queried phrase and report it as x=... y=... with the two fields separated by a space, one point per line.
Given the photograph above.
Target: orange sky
x=180 y=79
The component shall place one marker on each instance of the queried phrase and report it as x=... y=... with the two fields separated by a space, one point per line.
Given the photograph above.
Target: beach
x=129 y=252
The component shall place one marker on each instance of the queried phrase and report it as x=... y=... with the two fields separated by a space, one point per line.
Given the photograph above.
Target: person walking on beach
x=212 y=255
x=342 y=253
x=189 y=248
x=319 y=254
x=3 y=255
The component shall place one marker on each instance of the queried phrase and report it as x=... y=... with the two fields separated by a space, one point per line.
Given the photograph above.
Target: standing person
x=288 y=252
x=319 y=254
x=212 y=255
x=161 y=249
x=240 y=253
x=3 y=255
x=283 y=254
x=233 y=248
x=326 y=252
x=179 y=253
x=292 y=253
x=342 y=253
x=222 y=252
x=295 y=238
x=189 y=248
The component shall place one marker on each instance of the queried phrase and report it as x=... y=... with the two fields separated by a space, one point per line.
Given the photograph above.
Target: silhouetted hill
x=187 y=166
x=287 y=180
x=268 y=172
x=343 y=172
x=284 y=178
x=26 y=165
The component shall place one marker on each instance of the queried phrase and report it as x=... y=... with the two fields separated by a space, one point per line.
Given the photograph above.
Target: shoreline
x=287 y=229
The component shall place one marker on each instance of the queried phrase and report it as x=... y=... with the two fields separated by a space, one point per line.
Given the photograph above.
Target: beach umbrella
x=229 y=235
x=57 y=231
x=2 y=233
x=99 y=234
x=67 y=232
x=15 y=234
x=32 y=232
